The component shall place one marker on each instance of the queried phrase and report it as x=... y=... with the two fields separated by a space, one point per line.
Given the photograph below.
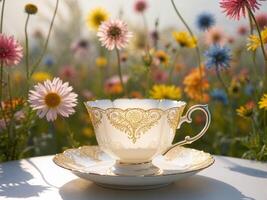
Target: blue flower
x=205 y=21
x=48 y=61
x=219 y=95
x=218 y=56
x=249 y=89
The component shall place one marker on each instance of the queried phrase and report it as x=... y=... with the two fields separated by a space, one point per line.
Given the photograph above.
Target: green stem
x=47 y=40
x=251 y=25
x=264 y=119
x=1 y=80
x=119 y=70
x=71 y=139
x=2 y=109
x=255 y=73
x=192 y=36
x=146 y=31
x=156 y=30
x=232 y=114
x=172 y=68
x=261 y=41
x=221 y=80
x=1 y=91
x=148 y=83
x=12 y=130
x=253 y=126
x=27 y=48
x=182 y=19
x=2 y=16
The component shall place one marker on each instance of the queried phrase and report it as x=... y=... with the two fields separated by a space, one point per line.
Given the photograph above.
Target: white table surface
x=39 y=178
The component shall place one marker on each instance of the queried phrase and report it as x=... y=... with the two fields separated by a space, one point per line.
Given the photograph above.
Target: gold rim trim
x=210 y=161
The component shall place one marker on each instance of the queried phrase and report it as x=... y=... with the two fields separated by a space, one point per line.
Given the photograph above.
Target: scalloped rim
x=210 y=161
x=180 y=104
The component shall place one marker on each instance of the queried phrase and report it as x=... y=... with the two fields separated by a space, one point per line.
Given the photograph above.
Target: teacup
x=134 y=131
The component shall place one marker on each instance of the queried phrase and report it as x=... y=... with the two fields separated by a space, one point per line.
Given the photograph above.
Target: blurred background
x=161 y=61
x=157 y=9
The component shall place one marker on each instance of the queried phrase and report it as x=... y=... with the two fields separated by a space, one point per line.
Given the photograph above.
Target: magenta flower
x=236 y=8
x=140 y=6
x=11 y=51
x=114 y=34
x=52 y=98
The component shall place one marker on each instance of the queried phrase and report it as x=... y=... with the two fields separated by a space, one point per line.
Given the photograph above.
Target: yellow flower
x=96 y=16
x=263 y=102
x=235 y=87
x=246 y=111
x=195 y=86
x=101 y=62
x=184 y=39
x=254 y=40
x=253 y=43
x=163 y=57
x=41 y=76
x=165 y=92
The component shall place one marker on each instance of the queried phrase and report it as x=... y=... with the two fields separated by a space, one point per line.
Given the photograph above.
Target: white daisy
x=52 y=98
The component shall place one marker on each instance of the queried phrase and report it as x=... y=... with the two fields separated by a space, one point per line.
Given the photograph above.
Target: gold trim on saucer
x=66 y=161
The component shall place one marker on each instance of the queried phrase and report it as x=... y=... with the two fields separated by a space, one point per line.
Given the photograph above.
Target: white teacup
x=134 y=131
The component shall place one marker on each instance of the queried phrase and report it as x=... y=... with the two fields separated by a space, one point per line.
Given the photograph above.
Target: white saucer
x=90 y=163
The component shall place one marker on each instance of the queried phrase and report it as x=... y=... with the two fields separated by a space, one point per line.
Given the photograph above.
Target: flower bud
x=31 y=9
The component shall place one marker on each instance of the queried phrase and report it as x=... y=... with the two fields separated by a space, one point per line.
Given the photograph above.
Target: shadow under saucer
x=194 y=188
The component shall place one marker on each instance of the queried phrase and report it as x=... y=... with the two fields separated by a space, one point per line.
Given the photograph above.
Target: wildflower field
x=47 y=73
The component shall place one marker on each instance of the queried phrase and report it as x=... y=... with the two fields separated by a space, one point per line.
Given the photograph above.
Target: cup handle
x=187 y=118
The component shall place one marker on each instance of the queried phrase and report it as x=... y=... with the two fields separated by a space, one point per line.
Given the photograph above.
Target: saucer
x=91 y=163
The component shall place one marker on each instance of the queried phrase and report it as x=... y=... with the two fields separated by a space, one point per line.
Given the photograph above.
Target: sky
x=15 y=16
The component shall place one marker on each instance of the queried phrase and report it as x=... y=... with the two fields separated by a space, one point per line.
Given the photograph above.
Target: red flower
x=140 y=6
x=235 y=8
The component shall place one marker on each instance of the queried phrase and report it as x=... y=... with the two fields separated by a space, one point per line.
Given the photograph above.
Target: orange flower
x=136 y=94
x=12 y=106
x=194 y=86
x=114 y=89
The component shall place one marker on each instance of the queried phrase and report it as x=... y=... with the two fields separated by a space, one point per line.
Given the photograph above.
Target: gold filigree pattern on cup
x=173 y=116
x=96 y=115
x=133 y=121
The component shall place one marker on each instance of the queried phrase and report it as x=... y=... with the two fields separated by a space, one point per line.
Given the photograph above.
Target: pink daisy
x=235 y=8
x=140 y=6
x=52 y=98
x=215 y=35
x=10 y=50
x=114 y=34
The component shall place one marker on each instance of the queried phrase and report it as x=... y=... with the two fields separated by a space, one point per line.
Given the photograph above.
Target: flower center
x=216 y=38
x=219 y=58
x=114 y=32
x=162 y=58
x=52 y=100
